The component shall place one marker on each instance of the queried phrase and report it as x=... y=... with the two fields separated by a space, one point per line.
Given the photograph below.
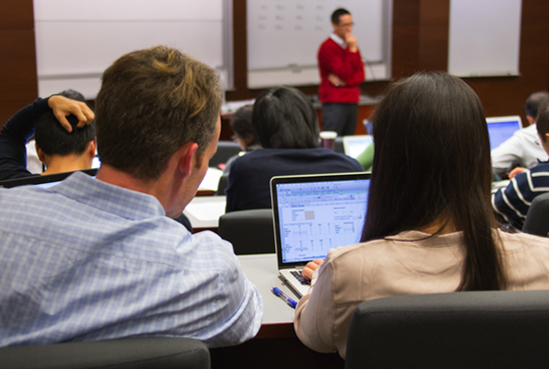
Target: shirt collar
x=338 y=40
x=109 y=198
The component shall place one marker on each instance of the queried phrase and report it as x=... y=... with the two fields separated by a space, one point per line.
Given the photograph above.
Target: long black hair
x=432 y=163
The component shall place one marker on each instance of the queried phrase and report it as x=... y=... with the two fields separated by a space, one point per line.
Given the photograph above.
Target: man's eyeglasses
x=345 y=25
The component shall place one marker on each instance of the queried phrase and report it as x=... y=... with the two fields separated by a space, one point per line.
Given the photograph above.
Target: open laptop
x=502 y=128
x=353 y=146
x=312 y=214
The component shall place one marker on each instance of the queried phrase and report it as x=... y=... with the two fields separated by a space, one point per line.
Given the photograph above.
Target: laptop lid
x=502 y=128
x=353 y=146
x=46 y=180
x=314 y=213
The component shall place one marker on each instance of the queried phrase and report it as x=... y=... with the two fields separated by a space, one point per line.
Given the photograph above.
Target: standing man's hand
x=352 y=43
x=335 y=80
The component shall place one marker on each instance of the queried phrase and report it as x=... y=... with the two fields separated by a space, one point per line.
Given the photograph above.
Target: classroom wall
x=420 y=42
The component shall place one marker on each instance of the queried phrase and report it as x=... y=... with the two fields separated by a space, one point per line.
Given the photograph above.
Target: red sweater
x=348 y=66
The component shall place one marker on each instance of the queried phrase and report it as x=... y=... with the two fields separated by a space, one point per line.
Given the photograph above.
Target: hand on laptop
x=63 y=107
x=311 y=266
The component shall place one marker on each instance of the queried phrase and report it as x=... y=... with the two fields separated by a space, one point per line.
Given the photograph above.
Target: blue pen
x=277 y=291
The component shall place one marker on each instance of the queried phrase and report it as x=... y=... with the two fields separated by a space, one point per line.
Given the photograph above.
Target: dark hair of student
x=53 y=139
x=283 y=118
x=534 y=101
x=432 y=162
x=150 y=104
x=338 y=13
x=241 y=123
x=542 y=122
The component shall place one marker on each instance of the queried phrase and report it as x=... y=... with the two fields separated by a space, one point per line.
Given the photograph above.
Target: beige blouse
x=408 y=263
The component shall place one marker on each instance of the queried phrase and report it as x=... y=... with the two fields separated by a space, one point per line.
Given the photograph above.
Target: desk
x=204 y=212
x=276 y=345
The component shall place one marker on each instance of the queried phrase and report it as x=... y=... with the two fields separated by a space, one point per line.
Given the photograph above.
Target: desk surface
x=204 y=211
x=278 y=317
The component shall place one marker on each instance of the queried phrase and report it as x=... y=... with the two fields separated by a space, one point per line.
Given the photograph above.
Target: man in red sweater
x=341 y=72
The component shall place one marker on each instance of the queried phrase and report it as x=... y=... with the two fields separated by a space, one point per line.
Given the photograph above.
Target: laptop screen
x=502 y=128
x=313 y=214
x=355 y=145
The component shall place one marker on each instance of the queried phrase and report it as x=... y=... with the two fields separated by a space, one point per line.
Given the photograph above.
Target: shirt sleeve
x=315 y=315
x=506 y=154
x=349 y=68
x=513 y=201
x=13 y=137
x=241 y=311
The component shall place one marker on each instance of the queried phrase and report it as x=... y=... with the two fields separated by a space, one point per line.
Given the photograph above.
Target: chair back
x=225 y=150
x=537 y=218
x=489 y=329
x=250 y=231
x=222 y=185
x=134 y=353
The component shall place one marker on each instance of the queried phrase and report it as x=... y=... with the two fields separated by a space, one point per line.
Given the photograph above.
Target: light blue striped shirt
x=85 y=261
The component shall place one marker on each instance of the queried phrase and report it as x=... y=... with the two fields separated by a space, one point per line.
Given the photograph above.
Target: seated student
x=285 y=124
x=241 y=123
x=66 y=146
x=523 y=148
x=429 y=226
x=512 y=202
x=95 y=259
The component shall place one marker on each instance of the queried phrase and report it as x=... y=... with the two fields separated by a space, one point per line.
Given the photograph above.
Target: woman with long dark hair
x=429 y=226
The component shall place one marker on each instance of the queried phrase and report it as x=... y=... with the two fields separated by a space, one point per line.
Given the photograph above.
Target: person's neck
x=440 y=226
x=66 y=163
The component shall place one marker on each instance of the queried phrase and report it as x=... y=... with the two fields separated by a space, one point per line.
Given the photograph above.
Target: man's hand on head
x=63 y=107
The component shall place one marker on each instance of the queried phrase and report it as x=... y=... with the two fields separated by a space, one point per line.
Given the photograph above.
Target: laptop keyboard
x=300 y=278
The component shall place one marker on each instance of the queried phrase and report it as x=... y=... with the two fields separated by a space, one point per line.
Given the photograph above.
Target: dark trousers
x=339 y=117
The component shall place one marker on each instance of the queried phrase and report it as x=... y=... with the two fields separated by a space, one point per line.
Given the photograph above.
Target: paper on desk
x=207 y=210
x=211 y=180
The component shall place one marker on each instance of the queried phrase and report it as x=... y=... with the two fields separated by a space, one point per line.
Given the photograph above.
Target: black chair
x=339 y=145
x=222 y=185
x=225 y=150
x=537 y=218
x=496 y=329
x=250 y=231
x=136 y=353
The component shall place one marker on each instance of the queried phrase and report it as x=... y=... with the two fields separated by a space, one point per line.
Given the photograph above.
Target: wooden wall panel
x=17 y=57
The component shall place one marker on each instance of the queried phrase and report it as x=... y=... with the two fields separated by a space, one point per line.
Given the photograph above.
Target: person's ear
x=531 y=120
x=40 y=153
x=91 y=148
x=546 y=136
x=187 y=158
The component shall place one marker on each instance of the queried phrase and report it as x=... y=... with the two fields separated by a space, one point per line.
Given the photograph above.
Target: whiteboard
x=77 y=40
x=484 y=37
x=284 y=37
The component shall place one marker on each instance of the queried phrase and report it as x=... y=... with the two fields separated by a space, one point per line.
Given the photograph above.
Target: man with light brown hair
x=112 y=263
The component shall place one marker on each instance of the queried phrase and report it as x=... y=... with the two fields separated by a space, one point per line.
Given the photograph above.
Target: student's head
x=533 y=103
x=283 y=118
x=342 y=22
x=241 y=123
x=153 y=102
x=52 y=139
x=432 y=167
x=542 y=124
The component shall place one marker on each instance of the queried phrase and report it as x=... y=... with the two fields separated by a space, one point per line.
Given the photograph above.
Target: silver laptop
x=353 y=146
x=502 y=128
x=312 y=214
